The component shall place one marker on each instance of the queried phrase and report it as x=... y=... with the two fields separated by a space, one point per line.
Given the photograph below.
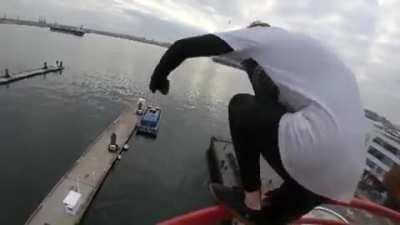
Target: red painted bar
x=214 y=214
x=370 y=207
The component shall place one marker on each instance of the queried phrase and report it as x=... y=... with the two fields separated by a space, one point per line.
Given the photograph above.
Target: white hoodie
x=321 y=141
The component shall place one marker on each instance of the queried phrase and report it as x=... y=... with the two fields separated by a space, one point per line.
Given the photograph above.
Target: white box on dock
x=72 y=202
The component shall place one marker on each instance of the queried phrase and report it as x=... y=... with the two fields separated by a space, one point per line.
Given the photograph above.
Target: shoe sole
x=231 y=210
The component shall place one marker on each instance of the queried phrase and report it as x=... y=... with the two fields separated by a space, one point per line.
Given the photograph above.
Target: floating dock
x=31 y=73
x=86 y=175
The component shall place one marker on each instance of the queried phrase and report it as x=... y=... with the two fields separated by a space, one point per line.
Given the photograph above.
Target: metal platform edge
x=222 y=168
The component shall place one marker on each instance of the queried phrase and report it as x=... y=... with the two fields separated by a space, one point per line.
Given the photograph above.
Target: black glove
x=159 y=83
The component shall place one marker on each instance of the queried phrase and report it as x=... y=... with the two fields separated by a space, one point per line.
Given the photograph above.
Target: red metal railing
x=214 y=214
x=371 y=207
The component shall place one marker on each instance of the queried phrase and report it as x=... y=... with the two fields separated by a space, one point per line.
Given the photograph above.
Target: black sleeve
x=205 y=45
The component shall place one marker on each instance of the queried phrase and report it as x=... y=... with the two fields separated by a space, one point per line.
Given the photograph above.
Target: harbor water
x=47 y=121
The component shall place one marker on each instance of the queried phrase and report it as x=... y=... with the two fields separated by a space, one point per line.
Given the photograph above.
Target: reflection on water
x=47 y=121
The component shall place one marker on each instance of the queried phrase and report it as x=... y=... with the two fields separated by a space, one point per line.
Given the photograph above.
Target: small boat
x=68 y=29
x=149 y=122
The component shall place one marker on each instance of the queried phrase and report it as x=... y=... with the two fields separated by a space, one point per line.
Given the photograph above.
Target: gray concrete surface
x=85 y=176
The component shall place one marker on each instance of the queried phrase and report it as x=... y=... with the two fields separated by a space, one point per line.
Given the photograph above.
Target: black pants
x=254 y=130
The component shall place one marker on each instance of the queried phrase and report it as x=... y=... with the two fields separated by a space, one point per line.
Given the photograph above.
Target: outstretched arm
x=205 y=45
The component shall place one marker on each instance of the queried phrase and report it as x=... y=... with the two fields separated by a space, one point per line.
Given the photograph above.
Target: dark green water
x=47 y=121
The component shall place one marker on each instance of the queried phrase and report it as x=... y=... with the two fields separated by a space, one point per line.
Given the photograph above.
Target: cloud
x=364 y=33
x=172 y=11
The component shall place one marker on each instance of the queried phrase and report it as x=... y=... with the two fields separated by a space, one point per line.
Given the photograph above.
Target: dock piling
x=6 y=73
x=113 y=138
x=113 y=147
x=45 y=65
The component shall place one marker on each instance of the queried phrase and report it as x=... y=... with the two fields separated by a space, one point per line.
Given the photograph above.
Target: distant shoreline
x=43 y=24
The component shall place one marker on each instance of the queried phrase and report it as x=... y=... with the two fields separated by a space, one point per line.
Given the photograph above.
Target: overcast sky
x=365 y=33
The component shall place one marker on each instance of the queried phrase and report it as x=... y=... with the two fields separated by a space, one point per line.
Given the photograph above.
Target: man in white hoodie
x=305 y=119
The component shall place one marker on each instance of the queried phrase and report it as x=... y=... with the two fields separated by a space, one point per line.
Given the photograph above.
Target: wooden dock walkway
x=87 y=175
x=30 y=73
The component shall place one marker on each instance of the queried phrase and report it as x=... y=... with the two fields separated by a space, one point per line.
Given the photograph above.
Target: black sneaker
x=233 y=200
x=266 y=201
